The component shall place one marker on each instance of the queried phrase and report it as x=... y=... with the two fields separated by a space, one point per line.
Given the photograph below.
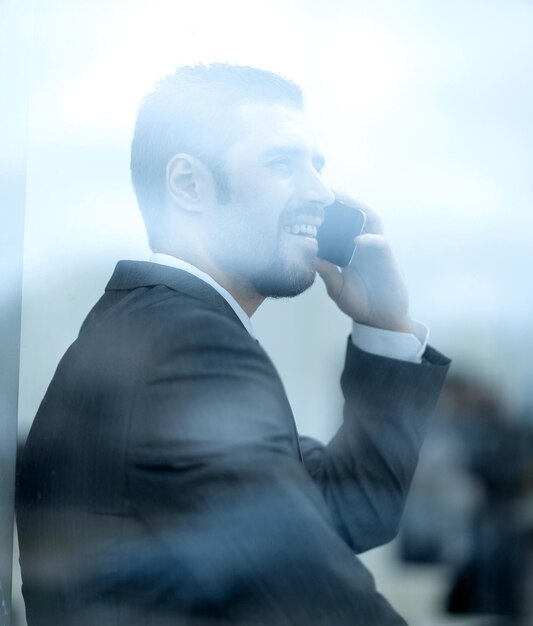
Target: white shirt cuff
x=392 y=344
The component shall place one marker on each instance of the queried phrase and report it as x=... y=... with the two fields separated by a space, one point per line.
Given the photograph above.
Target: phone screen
x=335 y=237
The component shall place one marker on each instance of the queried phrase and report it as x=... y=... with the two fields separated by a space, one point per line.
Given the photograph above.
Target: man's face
x=265 y=236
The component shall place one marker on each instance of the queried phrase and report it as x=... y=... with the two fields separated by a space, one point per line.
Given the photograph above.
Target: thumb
x=332 y=277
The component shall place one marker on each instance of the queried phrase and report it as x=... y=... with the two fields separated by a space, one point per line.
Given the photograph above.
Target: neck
x=248 y=299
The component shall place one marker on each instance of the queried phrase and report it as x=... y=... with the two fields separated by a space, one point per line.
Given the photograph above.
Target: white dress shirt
x=387 y=343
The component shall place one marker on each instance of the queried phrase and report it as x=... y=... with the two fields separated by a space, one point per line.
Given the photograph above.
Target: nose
x=315 y=190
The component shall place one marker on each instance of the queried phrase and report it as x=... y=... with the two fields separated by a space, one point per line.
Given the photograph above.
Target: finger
x=373 y=250
x=372 y=240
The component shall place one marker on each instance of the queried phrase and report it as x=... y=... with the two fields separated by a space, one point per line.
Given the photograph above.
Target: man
x=163 y=481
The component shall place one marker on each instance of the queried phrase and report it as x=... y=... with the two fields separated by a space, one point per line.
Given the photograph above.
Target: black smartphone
x=335 y=237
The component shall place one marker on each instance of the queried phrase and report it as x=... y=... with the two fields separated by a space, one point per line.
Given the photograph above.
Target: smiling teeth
x=302 y=229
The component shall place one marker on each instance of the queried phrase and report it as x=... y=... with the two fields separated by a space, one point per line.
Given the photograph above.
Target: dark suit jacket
x=164 y=482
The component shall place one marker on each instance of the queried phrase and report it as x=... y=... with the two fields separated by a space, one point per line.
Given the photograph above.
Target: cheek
x=265 y=193
x=248 y=229
x=257 y=211
x=263 y=217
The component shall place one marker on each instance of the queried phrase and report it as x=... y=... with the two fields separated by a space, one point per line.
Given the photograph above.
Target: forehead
x=267 y=126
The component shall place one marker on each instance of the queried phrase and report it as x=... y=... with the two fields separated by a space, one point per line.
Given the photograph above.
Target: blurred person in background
x=470 y=503
x=163 y=480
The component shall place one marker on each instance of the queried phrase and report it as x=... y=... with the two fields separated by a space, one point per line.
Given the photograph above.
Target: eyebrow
x=317 y=158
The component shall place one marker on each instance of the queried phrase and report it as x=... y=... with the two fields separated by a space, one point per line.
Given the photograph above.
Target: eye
x=282 y=164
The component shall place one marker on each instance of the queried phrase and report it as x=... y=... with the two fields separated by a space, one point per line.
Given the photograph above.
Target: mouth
x=302 y=230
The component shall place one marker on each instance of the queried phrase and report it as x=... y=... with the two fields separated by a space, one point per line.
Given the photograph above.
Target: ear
x=189 y=182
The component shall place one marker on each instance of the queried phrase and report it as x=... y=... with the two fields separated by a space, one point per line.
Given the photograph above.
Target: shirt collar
x=172 y=261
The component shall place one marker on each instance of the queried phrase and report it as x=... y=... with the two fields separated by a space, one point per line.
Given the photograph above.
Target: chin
x=284 y=283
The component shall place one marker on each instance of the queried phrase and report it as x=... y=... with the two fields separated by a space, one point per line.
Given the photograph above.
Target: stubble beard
x=275 y=277
x=281 y=280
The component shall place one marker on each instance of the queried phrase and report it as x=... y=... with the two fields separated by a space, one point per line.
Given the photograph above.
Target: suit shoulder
x=185 y=315
x=165 y=316
x=158 y=303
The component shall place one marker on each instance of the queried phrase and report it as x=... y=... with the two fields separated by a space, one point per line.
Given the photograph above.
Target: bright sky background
x=423 y=109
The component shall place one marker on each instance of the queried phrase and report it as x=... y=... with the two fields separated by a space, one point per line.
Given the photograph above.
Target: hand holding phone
x=342 y=223
x=370 y=289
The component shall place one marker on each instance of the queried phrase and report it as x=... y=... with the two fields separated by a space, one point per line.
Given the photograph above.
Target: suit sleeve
x=364 y=473
x=212 y=474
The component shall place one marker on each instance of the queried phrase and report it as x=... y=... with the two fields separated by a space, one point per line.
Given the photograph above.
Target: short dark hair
x=194 y=110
